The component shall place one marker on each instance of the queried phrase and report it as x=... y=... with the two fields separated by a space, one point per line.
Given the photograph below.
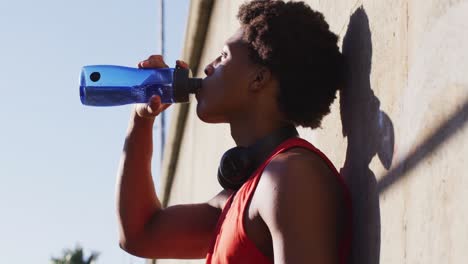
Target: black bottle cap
x=183 y=85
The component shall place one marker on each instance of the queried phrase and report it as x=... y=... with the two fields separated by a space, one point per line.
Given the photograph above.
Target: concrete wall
x=397 y=132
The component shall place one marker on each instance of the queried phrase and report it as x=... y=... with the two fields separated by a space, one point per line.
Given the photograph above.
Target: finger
x=182 y=64
x=145 y=64
x=155 y=61
x=148 y=64
x=154 y=104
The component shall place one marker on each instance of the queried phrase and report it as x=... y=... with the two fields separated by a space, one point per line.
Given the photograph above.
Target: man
x=281 y=68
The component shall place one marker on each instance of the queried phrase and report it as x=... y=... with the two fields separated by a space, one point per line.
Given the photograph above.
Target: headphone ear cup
x=234 y=168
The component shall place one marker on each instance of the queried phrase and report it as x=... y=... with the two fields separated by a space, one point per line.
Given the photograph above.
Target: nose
x=209 y=69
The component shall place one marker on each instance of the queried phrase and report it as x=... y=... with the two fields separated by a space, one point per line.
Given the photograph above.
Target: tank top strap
x=286 y=145
x=245 y=193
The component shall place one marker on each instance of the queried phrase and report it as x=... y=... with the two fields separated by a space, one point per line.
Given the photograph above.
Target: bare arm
x=135 y=193
x=146 y=229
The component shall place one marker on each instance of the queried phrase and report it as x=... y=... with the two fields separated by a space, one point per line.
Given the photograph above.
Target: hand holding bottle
x=154 y=106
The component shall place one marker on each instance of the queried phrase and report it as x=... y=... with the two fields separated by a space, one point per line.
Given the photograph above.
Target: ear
x=260 y=79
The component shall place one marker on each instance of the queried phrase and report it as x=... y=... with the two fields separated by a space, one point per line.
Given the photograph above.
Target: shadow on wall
x=443 y=133
x=370 y=132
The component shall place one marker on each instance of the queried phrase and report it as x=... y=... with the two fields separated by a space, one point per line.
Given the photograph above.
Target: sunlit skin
x=239 y=92
x=294 y=215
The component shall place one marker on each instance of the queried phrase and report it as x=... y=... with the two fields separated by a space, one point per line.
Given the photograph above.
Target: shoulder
x=299 y=168
x=295 y=180
x=300 y=199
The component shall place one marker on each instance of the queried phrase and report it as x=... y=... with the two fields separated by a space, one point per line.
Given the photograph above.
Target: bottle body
x=110 y=85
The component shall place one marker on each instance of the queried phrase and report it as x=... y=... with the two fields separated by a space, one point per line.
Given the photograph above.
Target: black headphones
x=238 y=163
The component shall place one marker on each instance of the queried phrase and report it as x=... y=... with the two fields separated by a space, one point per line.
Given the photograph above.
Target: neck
x=246 y=131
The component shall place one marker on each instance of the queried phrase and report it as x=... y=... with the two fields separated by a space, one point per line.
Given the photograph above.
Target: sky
x=58 y=158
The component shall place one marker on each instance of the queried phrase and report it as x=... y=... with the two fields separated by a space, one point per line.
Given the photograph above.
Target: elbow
x=136 y=247
x=123 y=245
x=131 y=246
x=126 y=246
x=136 y=240
x=126 y=239
x=131 y=238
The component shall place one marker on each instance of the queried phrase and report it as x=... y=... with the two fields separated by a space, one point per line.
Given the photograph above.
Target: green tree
x=75 y=256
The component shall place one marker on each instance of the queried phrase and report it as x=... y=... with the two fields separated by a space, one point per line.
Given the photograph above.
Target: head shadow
x=369 y=132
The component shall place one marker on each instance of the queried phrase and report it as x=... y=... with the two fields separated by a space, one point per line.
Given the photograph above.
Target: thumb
x=154 y=106
x=182 y=64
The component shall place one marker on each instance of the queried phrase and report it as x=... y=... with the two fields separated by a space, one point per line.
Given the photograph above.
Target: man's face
x=224 y=93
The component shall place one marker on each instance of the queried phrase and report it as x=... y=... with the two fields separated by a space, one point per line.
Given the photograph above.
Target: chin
x=207 y=117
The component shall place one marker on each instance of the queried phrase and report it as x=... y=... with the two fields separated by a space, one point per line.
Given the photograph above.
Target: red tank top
x=230 y=244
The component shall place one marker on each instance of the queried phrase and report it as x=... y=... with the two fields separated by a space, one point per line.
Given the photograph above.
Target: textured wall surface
x=397 y=132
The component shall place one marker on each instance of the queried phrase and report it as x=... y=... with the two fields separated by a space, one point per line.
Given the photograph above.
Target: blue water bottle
x=111 y=85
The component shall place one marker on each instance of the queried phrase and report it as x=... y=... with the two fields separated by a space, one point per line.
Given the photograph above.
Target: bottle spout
x=184 y=85
x=194 y=84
